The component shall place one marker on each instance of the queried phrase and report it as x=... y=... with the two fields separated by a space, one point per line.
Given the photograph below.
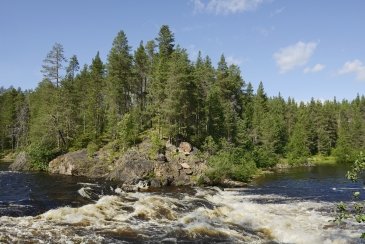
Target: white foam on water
x=220 y=215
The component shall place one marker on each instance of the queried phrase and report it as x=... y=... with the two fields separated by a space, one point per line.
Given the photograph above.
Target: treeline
x=157 y=89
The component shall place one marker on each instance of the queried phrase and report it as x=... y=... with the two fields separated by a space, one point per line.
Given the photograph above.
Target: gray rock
x=155 y=183
x=21 y=163
x=188 y=171
x=132 y=167
x=78 y=163
x=161 y=157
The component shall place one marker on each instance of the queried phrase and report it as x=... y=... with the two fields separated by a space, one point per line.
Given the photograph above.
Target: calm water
x=291 y=206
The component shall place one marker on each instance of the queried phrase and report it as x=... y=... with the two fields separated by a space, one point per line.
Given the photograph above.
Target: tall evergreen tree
x=119 y=91
x=53 y=64
x=95 y=100
x=165 y=43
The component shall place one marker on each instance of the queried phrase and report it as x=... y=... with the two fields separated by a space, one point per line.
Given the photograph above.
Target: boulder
x=21 y=163
x=185 y=166
x=155 y=183
x=140 y=186
x=185 y=147
x=79 y=164
x=161 y=157
x=131 y=168
x=188 y=171
x=180 y=170
x=171 y=147
x=233 y=183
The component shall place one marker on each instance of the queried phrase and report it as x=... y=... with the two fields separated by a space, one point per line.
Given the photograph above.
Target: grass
x=320 y=159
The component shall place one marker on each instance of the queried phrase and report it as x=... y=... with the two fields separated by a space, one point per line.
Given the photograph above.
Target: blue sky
x=302 y=49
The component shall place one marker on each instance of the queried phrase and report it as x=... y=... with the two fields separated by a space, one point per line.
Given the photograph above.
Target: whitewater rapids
x=206 y=215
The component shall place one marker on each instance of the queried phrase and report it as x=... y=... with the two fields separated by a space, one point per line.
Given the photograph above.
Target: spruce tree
x=119 y=81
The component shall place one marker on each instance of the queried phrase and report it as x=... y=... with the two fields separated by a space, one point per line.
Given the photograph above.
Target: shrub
x=157 y=144
x=41 y=155
x=92 y=147
x=233 y=164
x=210 y=146
x=127 y=131
x=264 y=158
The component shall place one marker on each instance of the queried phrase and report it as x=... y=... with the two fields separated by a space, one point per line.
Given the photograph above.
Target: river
x=289 y=206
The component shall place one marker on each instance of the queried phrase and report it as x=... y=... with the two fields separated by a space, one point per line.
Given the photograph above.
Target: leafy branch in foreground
x=356 y=211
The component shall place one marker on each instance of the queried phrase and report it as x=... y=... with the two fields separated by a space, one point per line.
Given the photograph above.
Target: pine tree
x=53 y=64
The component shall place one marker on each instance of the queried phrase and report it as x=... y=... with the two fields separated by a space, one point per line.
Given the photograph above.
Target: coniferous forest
x=158 y=91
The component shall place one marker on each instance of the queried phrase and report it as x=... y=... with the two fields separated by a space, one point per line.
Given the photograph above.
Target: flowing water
x=293 y=206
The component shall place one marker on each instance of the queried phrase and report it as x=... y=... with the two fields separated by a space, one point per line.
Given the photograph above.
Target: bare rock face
x=21 y=163
x=132 y=167
x=78 y=163
x=172 y=166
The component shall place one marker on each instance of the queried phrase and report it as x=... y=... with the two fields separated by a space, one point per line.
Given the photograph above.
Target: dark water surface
x=318 y=183
x=31 y=193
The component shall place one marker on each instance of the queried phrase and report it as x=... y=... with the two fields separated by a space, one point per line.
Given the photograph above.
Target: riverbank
x=177 y=166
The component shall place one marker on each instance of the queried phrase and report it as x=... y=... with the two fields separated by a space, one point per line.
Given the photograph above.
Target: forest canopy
x=157 y=88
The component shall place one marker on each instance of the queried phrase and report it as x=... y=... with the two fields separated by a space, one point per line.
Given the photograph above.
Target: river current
x=290 y=206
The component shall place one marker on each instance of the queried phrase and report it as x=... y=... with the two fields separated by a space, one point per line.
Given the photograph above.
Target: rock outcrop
x=21 y=163
x=79 y=164
x=132 y=167
x=171 y=166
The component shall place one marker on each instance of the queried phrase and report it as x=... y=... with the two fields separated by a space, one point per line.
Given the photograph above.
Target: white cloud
x=293 y=56
x=225 y=6
x=277 y=11
x=316 y=68
x=198 y=5
x=232 y=60
x=354 y=66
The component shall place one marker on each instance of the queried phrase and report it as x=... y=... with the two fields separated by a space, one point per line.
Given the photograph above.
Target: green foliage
x=156 y=143
x=264 y=157
x=127 y=131
x=40 y=155
x=92 y=148
x=159 y=90
x=210 y=146
x=357 y=210
x=357 y=168
x=233 y=164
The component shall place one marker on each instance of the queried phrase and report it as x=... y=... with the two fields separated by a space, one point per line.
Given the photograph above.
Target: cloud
x=316 y=68
x=293 y=56
x=277 y=11
x=225 y=6
x=232 y=60
x=354 y=66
